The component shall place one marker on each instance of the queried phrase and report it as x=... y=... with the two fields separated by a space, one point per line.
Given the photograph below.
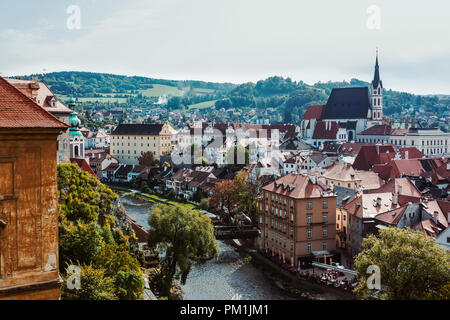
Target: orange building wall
x=29 y=242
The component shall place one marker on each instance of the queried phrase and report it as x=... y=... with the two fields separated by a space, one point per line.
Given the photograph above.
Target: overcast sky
x=234 y=40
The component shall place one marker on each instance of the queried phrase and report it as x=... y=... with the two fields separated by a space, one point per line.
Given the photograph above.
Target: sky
x=234 y=40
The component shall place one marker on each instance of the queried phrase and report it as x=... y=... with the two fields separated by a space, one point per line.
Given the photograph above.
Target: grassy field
x=161 y=90
x=103 y=99
x=203 y=90
x=203 y=105
x=180 y=204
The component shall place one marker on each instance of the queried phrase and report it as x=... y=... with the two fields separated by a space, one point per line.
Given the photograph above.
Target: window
x=292 y=217
x=324 y=246
x=325 y=217
x=309 y=234
x=309 y=218
x=325 y=204
x=309 y=247
x=324 y=232
x=309 y=207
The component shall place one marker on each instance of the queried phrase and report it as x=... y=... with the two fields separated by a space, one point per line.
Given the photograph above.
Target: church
x=347 y=112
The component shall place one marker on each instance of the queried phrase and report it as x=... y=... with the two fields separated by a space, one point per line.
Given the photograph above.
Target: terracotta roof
x=314 y=112
x=393 y=216
x=413 y=153
x=429 y=227
x=296 y=186
x=112 y=167
x=384 y=130
x=369 y=180
x=321 y=131
x=380 y=130
x=445 y=208
x=342 y=172
x=40 y=93
x=432 y=207
x=366 y=205
x=402 y=186
x=83 y=165
x=140 y=232
x=370 y=155
x=19 y=111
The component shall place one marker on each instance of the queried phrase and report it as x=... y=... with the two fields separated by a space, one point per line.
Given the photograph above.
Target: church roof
x=347 y=103
x=325 y=132
x=376 y=77
x=314 y=112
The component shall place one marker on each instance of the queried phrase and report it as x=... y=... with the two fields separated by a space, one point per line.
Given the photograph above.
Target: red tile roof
x=296 y=186
x=429 y=227
x=314 y=112
x=384 y=130
x=371 y=155
x=322 y=133
x=19 y=111
x=413 y=153
x=393 y=216
x=402 y=186
x=83 y=165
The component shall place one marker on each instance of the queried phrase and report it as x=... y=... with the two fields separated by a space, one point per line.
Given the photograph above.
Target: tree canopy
x=412 y=265
x=182 y=236
x=90 y=238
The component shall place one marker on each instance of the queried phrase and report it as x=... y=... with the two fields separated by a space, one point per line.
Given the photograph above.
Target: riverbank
x=233 y=275
x=289 y=282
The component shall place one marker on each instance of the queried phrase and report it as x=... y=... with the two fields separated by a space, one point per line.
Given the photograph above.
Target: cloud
x=242 y=41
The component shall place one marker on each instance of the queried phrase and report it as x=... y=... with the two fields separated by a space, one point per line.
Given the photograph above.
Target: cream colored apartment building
x=130 y=141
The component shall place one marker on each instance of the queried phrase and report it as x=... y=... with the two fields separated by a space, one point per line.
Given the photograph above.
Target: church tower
x=76 y=138
x=376 y=94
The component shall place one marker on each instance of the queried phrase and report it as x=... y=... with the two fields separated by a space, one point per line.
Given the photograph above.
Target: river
x=228 y=277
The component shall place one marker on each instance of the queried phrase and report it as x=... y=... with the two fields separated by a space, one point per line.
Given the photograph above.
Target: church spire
x=376 y=77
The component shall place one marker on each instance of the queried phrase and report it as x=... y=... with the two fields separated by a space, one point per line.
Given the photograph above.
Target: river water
x=228 y=277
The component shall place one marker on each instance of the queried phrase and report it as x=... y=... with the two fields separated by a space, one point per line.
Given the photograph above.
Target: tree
x=78 y=243
x=147 y=159
x=182 y=236
x=174 y=103
x=224 y=198
x=412 y=265
x=247 y=193
x=95 y=285
x=90 y=237
x=204 y=204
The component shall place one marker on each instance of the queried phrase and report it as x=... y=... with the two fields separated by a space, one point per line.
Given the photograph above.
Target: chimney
x=399 y=188
x=406 y=155
x=379 y=202
x=435 y=217
x=394 y=199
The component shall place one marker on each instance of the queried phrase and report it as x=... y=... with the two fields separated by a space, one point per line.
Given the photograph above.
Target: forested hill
x=288 y=97
x=85 y=84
